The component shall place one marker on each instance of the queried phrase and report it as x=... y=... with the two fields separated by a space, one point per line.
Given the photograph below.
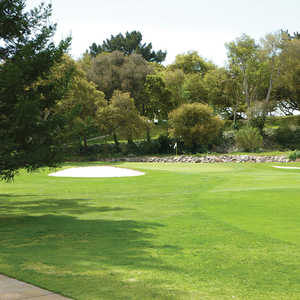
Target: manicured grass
x=182 y=231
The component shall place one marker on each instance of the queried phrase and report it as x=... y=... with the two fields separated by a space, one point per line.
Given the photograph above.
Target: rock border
x=203 y=159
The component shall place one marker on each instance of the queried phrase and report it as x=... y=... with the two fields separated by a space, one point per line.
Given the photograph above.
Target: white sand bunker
x=104 y=171
x=279 y=167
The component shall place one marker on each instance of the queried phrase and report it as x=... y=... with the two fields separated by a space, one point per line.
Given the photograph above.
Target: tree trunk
x=270 y=83
x=85 y=145
x=148 y=135
x=130 y=140
x=234 y=115
x=246 y=91
x=116 y=141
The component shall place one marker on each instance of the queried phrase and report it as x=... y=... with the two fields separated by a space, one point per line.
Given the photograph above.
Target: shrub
x=147 y=147
x=294 y=155
x=195 y=124
x=248 y=139
x=164 y=144
x=288 y=136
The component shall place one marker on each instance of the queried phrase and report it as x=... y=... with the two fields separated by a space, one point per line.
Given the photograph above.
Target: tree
x=158 y=97
x=121 y=118
x=116 y=71
x=195 y=124
x=174 y=81
x=255 y=68
x=191 y=62
x=271 y=48
x=244 y=64
x=185 y=78
x=80 y=104
x=28 y=129
x=129 y=44
x=287 y=85
x=194 y=88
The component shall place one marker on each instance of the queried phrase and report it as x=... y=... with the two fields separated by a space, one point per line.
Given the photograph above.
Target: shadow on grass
x=9 y=206
x=83 y=259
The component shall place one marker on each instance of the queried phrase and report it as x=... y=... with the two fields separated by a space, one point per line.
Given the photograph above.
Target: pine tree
x=29 y=130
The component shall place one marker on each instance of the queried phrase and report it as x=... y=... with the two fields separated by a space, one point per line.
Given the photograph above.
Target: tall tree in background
x=28 y=129
x=80 y=104
x=116 y=71
x=191 y=62
x=158 y=103
x=129 y=44
x=224 y=93
x=272 y=45
x=191 y=68
x=174 y=81
x=287 y=85
x=121 y=118
x=244 y=63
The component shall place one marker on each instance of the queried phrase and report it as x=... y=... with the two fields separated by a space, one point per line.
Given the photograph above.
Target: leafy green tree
x=80 y=104
x=184 y=78
x=195 y=124
x=28 y=129
x=129 y=44
x=191 y=62
x=272 y=45
x=158 y=97
x=116 y=71
x=255 y=68
x=121 y=118
x=244 y=64
x=174 y=81
x=249 y=139
x=224 y=94
x=287 y=85
x=194 y=88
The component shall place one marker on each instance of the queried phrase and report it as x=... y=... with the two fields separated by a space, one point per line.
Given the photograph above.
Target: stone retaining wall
x=205 y=159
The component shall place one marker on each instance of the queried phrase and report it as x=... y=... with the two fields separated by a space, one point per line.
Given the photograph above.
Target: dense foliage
x=249 y=139
x=129 y=44
x=28 y=129
x=195 y=124
x=119 y=90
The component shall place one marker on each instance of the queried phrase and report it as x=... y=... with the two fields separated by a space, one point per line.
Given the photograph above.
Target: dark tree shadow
x=60 y=252
x=9 y=206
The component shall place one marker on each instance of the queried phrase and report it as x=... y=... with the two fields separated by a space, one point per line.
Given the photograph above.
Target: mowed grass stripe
x=182 y=231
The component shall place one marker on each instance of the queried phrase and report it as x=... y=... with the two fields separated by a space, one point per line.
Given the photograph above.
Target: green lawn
x=182 y=231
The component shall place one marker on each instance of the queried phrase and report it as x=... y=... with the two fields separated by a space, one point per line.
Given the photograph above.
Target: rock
x=203 y=159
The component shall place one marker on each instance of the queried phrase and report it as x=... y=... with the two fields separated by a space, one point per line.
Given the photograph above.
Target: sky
x=172 y=25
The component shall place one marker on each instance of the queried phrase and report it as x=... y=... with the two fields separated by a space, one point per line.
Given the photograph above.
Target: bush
x=146 y=147
x=294 y=155
x=248 y=139
x=196 y=125
x=164 y=144
x=283 y=120
x=288 y=136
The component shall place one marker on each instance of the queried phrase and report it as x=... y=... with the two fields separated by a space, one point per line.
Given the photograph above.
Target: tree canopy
x=129 y=44
x=28 y=128
x=195 y=124
x=116 y=71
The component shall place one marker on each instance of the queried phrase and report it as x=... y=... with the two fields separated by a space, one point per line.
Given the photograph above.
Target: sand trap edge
x=96 y=172
x=291 y=168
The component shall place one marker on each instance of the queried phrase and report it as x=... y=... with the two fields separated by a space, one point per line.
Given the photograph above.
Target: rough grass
x=182 y=231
